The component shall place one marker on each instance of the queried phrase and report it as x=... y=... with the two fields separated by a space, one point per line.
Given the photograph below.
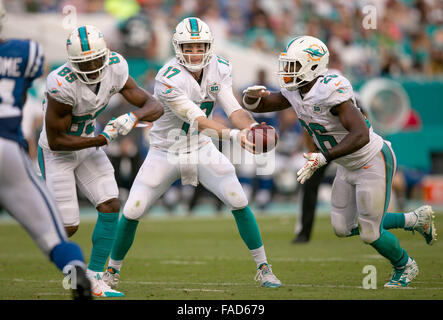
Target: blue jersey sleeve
x=35 y=61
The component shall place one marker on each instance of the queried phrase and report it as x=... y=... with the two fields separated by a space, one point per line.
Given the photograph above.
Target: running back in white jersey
x=314 y=113
x=174 y=82
x=63 y=86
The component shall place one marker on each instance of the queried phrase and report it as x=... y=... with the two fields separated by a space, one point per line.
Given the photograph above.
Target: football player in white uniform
x=76 y=93
x=188 y=86
x=326 y=108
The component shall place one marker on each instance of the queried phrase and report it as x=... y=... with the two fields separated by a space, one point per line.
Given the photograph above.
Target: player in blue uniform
x=22 y=193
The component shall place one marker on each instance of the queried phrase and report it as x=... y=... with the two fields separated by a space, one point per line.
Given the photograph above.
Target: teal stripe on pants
x=388 y=245
x=389 y=167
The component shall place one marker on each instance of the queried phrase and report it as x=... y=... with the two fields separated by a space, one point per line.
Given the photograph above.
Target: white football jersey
x=63 y=86
x=313 y=111
x=174 y=82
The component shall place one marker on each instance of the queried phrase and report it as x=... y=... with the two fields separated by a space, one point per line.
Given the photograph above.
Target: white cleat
x=425 y=224
x=100 y=289
x=111 y=277
x=402 y=277
x=266 y=277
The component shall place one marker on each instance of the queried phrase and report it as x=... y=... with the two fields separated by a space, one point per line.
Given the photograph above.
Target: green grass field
x=204 y=259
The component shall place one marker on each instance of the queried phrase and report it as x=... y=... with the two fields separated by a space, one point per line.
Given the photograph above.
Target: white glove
x=125 y=123
x=315 y=161
x=110 y=132
x=240 y=137
x=254 y=91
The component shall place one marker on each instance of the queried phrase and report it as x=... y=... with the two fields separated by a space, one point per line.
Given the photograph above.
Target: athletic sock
x=259 y=256
x=394 y=220
x=102 y=239
x=410 y=219
x=389 y=247
x=116 y=264
x=125 y=237
x=248 y=228
x=67 y=253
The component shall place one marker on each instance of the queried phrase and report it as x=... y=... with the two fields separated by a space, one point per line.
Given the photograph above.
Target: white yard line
x=221 y=284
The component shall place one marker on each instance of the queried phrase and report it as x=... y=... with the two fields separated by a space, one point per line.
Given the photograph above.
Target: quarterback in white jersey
x=76 y=93
x=326 y=108
x=188 y=87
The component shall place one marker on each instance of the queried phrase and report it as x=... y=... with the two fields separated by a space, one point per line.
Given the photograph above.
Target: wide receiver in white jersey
x=326 y=108
x=188 y=86
x=76 y=93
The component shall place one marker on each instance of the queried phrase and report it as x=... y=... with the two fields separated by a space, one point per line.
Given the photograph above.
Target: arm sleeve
x=178 y=102
x=228 y=101
x=226 y=97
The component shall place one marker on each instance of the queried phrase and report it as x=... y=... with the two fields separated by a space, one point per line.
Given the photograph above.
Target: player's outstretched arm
x=217 y=130
x=259 y=100
x=58 y=122
x=241 y=119
x=150 y=109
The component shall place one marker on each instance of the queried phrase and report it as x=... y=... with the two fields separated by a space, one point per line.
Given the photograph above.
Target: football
x=264 y=136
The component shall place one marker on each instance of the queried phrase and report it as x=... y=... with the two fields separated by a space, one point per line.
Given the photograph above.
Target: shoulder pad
x=333 y=89
x=59 y=85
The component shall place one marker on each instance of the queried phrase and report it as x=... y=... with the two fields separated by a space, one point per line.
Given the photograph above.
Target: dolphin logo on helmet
x=304 y=59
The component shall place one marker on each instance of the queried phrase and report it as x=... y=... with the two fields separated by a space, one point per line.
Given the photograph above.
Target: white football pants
x=361 y=197
x=160 y=169
x=89 y=169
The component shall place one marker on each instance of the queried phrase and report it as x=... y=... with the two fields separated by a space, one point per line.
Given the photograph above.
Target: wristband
x=251 y=106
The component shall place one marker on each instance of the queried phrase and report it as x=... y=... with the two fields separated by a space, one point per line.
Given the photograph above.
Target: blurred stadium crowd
x=407 y=40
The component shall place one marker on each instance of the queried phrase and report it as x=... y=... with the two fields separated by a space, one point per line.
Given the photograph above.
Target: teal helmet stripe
x=290 y=42
x=194 y=27
x=84 y=39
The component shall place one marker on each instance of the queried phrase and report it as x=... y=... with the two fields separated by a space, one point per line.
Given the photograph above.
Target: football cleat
x=266 y=277
x=100 y=289
x=425 y=224
x=83 y=288
x=111 y=277
x=403 y=276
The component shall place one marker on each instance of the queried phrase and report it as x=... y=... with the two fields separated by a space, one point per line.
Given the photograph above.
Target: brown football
x=264 y=136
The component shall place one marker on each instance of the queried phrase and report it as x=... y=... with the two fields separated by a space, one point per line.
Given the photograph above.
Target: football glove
x=315 y=161
x=110 y=132
x=125 y=123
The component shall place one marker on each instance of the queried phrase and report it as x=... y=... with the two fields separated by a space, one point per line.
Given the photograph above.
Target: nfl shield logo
x=317 y=109
x=213 y=88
